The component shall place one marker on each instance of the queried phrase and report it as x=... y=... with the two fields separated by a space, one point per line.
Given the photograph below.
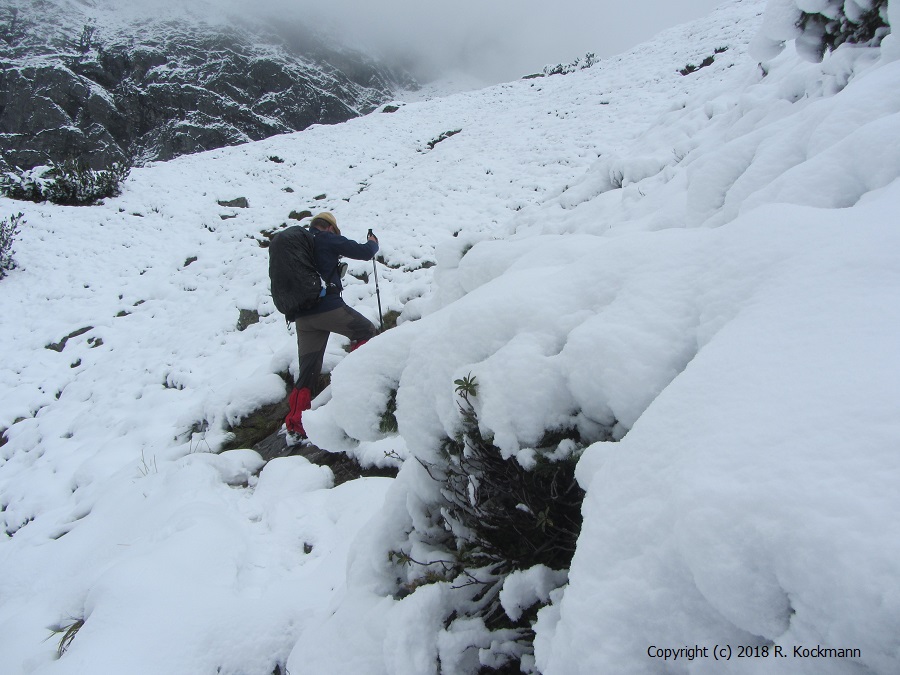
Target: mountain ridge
x=87 y=82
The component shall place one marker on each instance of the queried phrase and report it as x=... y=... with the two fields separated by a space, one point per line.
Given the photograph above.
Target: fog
x=500 y=40
x=491 y=40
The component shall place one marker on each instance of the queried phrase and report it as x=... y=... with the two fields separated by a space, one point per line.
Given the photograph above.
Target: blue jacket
x=328 y=251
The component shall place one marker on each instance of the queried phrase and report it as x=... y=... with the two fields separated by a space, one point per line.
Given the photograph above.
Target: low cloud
x=504 y=39
x=494 y=40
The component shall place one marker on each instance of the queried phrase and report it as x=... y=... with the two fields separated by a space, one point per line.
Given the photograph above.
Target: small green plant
x=466 y=386
x=389 y=320
x=388 y=423
x=67 y=633
x=9 y=230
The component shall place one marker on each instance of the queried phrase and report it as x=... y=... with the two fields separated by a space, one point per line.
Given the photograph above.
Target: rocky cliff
x=78 y=79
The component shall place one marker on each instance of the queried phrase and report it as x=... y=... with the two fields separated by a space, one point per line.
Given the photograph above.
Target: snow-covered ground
x=705 y=264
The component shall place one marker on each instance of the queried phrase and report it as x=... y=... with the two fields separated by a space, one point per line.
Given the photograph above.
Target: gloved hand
x=372 y=237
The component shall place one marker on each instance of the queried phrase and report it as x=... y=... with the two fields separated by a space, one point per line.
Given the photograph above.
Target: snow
x=698 y=273
x=522 y=590
x=741 y=487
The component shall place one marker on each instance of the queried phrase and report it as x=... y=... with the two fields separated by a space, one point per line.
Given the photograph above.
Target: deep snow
x=704 y=264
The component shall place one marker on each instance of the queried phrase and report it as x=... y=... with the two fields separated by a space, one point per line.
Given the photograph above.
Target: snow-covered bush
x=708 y=61
x=564 y=69
x=502 y=518
x=818 y=26
x=509 y=514
x=613 y=172
x=68 y=184
x=833 y=23
x=9 y=229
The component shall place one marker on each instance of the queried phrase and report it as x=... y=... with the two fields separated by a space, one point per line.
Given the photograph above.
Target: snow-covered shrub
x=708 y=61
x=564 y=69
x=818 y=26
x=612 y=172
x=501 y=517
x=9 y=229
x=511 y=515
x=833 y=23
x=68 y=184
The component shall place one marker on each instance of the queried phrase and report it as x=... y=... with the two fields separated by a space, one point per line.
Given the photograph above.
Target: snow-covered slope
x=700 y=266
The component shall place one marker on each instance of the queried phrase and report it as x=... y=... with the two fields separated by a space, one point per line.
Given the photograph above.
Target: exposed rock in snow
x=81 y=80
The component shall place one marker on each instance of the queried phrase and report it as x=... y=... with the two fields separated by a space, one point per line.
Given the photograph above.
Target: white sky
x=501 y=40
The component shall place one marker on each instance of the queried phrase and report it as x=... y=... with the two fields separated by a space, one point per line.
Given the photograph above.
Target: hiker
x=329 y=315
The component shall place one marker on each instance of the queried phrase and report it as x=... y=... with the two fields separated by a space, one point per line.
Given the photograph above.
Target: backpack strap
x=325 y=280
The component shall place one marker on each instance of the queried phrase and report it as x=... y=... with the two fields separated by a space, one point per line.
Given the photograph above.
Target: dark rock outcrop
x=343 y=467
x=261 y=430
x=77 y=80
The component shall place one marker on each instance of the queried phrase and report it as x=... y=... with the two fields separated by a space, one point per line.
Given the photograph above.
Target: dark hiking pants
x=312 y=338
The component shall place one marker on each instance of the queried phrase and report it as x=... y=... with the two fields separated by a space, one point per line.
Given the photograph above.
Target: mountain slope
x=695 y=272
x=92 y=81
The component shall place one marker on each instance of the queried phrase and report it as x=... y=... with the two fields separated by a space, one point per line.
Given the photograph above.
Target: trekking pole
x=377 y=290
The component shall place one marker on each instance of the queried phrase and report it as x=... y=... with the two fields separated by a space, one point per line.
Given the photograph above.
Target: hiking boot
x=291 y=439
